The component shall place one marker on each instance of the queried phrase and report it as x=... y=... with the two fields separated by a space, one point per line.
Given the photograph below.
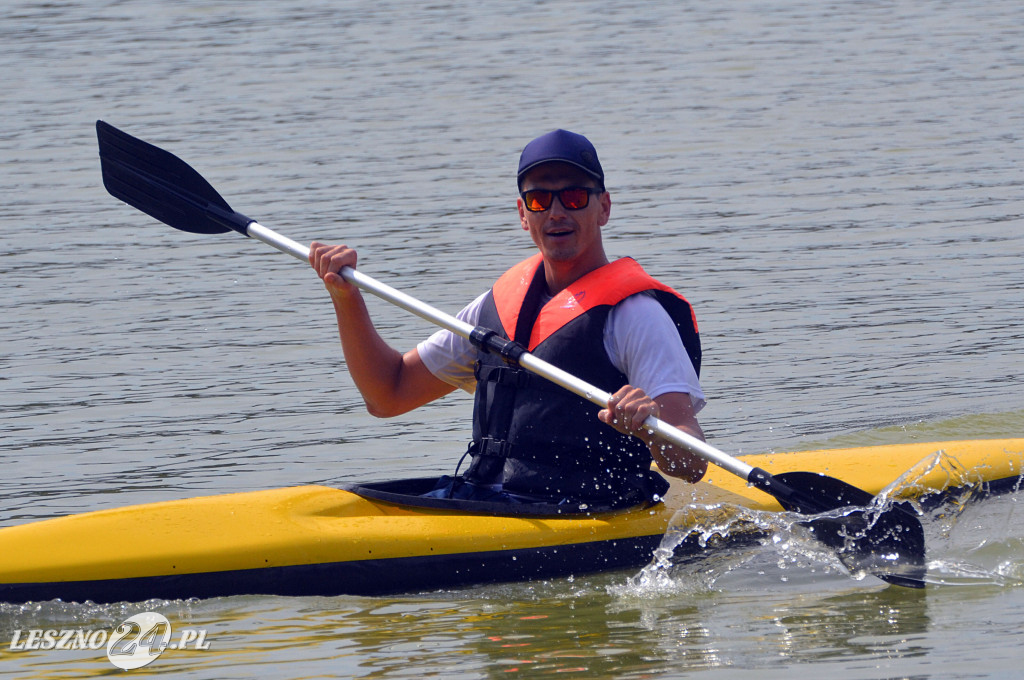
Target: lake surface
x=836 y=188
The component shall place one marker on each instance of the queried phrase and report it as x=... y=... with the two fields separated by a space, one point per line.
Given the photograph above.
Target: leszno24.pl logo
x=136 y=642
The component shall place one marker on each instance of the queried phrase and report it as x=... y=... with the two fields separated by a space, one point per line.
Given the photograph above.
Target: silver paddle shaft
x=528 y=361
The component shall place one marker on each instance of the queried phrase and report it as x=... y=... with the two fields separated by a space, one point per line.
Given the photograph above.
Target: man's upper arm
x=642 y=341
x=417 y=385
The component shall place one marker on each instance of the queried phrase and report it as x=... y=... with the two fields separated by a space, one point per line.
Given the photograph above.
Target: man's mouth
x=560 y=232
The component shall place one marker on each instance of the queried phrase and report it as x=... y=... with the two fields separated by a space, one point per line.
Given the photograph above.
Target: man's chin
x=556 y=254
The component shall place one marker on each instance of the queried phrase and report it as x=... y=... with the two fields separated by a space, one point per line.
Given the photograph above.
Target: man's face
x=564 y=235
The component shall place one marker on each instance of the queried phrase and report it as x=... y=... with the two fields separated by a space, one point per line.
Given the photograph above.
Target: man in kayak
x=608 y=323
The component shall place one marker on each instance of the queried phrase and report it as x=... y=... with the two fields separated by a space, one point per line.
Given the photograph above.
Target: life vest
x=538 y=439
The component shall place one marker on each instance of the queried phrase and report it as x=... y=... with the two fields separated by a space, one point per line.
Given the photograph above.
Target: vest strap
x=488 y=447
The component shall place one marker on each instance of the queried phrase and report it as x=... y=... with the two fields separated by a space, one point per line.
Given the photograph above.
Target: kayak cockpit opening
x=415 y=493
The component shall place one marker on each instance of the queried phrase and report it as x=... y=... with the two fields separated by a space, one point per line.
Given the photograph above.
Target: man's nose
x=557 y=209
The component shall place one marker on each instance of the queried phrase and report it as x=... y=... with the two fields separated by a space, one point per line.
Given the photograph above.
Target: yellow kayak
x=316 y=540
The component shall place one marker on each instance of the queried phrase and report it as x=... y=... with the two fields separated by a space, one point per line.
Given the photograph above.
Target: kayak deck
x=319 y=540
x=300 y=540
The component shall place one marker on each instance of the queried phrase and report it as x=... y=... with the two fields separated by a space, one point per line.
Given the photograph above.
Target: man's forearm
x=676 y=461
x=374 y=365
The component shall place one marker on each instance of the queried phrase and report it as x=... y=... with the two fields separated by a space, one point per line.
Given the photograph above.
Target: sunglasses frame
x=558 y=193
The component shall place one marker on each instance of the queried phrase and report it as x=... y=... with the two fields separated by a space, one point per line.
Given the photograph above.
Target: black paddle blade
x=162 y=185
x=886 y=542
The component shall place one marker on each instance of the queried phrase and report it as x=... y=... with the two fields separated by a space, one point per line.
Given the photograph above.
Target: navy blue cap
x=564 y=146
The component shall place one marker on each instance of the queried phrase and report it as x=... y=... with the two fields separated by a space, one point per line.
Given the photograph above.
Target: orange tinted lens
x=574 y=198
x=537 y=200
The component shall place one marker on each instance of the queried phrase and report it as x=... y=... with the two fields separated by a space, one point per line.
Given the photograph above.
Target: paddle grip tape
x=764 y=481
x=788 y=497
x=760 y=479
x=490 y=341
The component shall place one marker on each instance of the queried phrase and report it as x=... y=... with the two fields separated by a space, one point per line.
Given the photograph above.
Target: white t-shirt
x=639 y=336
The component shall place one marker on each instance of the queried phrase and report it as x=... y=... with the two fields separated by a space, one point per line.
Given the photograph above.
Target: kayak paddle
x=884 y=539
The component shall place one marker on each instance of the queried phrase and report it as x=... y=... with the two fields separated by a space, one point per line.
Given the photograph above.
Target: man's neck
x=559 y=275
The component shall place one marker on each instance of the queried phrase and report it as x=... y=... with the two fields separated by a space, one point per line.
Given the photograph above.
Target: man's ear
x=606 y=207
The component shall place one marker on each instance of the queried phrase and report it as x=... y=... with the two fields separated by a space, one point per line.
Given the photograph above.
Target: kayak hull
x=355 y=577
x=316 y=540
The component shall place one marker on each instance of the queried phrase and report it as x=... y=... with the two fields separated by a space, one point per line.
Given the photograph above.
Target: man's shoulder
x=642 y=303
x=640 y=310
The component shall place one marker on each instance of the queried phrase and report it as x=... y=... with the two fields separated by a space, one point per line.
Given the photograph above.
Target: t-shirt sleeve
x=642 y=341
x=451 y=357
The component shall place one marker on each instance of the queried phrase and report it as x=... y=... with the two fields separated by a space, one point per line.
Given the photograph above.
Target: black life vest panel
x=538 y=439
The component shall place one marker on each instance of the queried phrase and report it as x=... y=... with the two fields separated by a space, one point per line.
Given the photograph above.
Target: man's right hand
x=328 y=260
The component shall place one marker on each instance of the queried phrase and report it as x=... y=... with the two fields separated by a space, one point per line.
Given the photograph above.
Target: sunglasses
x=572 y=198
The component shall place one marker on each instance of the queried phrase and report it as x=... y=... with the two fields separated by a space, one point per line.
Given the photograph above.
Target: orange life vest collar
x=606 y=285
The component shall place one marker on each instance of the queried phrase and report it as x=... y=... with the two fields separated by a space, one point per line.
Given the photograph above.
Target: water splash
x=706 y=542
x=974 y=536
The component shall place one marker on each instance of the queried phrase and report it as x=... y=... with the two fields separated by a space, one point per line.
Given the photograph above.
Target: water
x=836 y=189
